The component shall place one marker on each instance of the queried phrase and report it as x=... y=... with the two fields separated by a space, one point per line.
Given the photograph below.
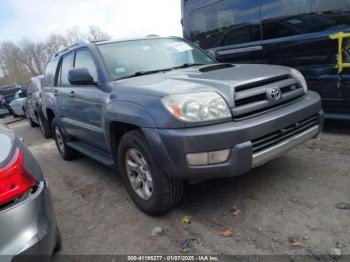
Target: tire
x=44 y=126
x=58 y=245
x=166 y=192
x=30 y=121
x=66 y=152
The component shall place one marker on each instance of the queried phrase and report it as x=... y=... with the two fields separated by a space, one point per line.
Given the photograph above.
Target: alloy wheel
x=139 y=173
x=59 y=139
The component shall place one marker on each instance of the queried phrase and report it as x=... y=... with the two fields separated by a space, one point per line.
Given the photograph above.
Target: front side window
x=226 y=22
x=66 y=65
x=128 y=58
x=50 y=73
x=83 y=59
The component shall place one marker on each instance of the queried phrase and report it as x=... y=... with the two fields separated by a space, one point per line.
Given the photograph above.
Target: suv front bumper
x=170 y=146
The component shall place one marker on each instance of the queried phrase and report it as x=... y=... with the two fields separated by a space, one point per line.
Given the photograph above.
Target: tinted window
x=242 y=35
x=337 y=11
x=50 y=73
x=226 y=21
x=336 y=6
x=66 y=65
x=274 y=30
x=294 y=17
x=83 y=59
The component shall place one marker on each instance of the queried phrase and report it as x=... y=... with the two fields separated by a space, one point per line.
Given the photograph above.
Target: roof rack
x=97 y=41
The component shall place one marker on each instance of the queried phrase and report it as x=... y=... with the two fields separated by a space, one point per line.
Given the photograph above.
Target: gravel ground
x=287 y=206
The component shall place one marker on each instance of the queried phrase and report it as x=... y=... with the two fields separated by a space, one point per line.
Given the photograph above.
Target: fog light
x=207 y=158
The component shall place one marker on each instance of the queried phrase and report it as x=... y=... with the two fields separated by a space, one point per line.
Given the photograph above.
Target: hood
x=202 y=78
x=7 y=144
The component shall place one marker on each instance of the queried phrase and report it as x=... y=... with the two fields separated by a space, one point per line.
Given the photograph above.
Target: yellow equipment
x=341 y=36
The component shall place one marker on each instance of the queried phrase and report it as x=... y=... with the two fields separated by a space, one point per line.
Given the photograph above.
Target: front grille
x=270 y=140
x=252 y=98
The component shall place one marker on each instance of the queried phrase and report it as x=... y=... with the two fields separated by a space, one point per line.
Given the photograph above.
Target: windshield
x=130 y=58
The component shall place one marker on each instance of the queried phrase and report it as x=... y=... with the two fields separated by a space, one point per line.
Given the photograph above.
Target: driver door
x=86 y=104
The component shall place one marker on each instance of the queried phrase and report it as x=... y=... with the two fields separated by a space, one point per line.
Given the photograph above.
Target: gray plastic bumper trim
x=275 y=151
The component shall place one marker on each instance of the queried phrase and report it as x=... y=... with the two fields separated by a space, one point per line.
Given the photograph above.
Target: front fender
x=48 y=101
x=128 y=113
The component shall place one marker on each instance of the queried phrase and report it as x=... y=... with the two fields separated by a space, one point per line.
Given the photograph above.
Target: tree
x=20 y=61
x=13 y=67
x=96 y=34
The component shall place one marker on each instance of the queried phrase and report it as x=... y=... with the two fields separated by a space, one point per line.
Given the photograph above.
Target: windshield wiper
x=187 y=65
x=142 y=73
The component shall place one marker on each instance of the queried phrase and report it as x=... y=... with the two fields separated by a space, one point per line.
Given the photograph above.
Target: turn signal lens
x=15 y=180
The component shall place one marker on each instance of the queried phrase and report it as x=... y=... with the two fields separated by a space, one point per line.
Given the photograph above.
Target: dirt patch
x=287 y=206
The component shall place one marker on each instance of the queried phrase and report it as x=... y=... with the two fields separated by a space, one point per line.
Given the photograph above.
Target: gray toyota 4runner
x=164 y=112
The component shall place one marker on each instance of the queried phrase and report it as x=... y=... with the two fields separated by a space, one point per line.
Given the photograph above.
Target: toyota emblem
x=274 y=94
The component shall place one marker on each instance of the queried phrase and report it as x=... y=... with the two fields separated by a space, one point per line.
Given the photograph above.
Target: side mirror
x=80 y=76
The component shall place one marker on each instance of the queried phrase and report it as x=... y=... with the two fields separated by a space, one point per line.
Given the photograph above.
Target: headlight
x=301 y=79
x=197 y=107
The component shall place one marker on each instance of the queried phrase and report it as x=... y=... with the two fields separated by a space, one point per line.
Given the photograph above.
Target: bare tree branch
x=20 y=61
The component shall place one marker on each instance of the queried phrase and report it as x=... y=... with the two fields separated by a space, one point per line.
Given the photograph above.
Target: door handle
x=72 y=94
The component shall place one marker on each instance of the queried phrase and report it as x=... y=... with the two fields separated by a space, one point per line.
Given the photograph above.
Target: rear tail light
x=15 y=180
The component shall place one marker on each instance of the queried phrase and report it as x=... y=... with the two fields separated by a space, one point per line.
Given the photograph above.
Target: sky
x=37 y=19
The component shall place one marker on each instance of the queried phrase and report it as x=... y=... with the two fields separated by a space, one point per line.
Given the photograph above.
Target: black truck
x=283 y=32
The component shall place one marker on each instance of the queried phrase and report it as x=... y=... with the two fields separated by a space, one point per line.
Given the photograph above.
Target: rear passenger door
x=230 y=29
